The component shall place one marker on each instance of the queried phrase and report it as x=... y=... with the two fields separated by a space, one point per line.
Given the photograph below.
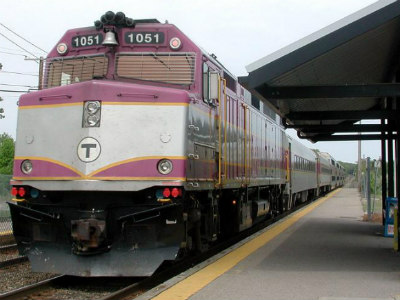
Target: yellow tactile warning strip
x=189 y=286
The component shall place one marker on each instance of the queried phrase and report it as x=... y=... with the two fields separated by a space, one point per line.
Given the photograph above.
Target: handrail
x=245 y=140
x=225 y=127
x=250 y=145
x=219 y=134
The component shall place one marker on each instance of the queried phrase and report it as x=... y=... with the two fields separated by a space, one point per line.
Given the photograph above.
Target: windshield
x=63 y=71
x=176 y=68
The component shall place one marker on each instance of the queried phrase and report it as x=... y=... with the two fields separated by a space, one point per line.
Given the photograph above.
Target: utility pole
x=368 y=188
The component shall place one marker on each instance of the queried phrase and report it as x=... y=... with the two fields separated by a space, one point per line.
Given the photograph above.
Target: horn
x=109 y=16
x=110 y=39
x=119 y=18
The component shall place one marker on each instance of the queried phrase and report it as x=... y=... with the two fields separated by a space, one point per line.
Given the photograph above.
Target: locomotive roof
x=329 y=80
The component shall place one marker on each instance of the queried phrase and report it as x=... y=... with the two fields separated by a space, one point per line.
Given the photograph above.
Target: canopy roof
x=328 y=81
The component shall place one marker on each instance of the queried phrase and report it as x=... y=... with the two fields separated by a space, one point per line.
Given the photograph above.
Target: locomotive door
x=273 y=152
x=221 y=127
x=203 y=134
x=289 y=167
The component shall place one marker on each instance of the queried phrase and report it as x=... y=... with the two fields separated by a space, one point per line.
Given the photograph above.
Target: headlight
x=164 y=166
x=92 y=106
x=91 y=114
x=92 y=120
x=26 y=167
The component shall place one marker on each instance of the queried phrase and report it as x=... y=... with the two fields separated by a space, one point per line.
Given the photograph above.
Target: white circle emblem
x=89 y=149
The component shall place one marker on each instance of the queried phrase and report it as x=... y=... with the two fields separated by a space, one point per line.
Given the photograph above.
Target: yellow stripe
x=140 y=178
x=104 y=103
x=4 y=233
x=189 y=286
x=48 y=178
x=148 y=103
x=51 y=161
x=132 y=160
x=100 y=178
x=50 y=105
x=18 y=200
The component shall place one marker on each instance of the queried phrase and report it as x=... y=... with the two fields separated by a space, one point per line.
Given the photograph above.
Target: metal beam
x=341 y=128
x=342 y=115
x=349 y=137
x=373 y=90
x=384 y=172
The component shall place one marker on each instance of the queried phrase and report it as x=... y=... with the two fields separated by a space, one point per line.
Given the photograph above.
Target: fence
x=5 y=220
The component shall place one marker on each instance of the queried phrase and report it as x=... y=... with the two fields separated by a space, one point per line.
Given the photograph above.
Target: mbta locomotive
x=140 y=148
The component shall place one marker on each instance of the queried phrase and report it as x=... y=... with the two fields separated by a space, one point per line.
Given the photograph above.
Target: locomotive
x=140 y=147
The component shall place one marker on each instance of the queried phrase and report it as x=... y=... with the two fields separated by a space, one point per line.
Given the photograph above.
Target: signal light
x=14 y=191
x=166 y=192
x=21 y=192
x=62 y=48
x=175 y=43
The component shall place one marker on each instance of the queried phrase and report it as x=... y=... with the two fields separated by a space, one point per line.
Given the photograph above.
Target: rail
x=30 y=289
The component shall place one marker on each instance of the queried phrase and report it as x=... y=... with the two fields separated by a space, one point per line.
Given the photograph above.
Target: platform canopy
x=328 y=81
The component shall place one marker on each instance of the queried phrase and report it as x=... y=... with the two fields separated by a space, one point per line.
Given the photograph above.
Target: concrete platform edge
x=173 y=281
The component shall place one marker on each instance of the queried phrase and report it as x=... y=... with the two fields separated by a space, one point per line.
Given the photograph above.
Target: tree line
x=7 y=150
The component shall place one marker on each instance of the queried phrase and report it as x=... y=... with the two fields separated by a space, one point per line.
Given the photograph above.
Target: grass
x=377 y=208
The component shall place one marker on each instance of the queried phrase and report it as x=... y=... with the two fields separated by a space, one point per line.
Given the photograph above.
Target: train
x=141 y=148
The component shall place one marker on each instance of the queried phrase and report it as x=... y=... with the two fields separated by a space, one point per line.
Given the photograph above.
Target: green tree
x=7 y=148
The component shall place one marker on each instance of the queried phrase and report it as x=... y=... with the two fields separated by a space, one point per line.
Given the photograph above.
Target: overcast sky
x=238 y=32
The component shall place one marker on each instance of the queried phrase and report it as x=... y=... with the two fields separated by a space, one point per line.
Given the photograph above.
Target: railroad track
x=10 y=250
x=125 y=287
x=30 y=289
x=70 y=287
x=8 y=247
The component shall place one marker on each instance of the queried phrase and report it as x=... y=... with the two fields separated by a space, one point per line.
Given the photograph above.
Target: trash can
x=391 y=204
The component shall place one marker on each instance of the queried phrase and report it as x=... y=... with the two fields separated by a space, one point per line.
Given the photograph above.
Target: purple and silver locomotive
x=139 y=148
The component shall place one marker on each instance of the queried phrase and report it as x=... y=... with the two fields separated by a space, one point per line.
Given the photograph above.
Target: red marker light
x=62 y=48
x=14 y=191
x=175 y=192
x=166 y=192
x=175 y=43
x=21 y=192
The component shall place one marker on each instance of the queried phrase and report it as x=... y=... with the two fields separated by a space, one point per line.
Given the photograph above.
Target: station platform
x=324 y=251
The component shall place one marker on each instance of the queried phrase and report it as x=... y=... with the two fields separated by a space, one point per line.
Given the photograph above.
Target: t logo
x=89 y=149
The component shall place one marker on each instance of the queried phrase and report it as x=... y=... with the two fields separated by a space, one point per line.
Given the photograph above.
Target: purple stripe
x=43 y=169
x=109 y=91
x=144 y=168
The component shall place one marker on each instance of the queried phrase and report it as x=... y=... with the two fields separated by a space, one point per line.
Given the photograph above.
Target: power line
x=18 y=73
x=23 y=38
x=19 y=46
x=10 y=53
x=11 y=91
x=14 y=49
x=28 y=86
